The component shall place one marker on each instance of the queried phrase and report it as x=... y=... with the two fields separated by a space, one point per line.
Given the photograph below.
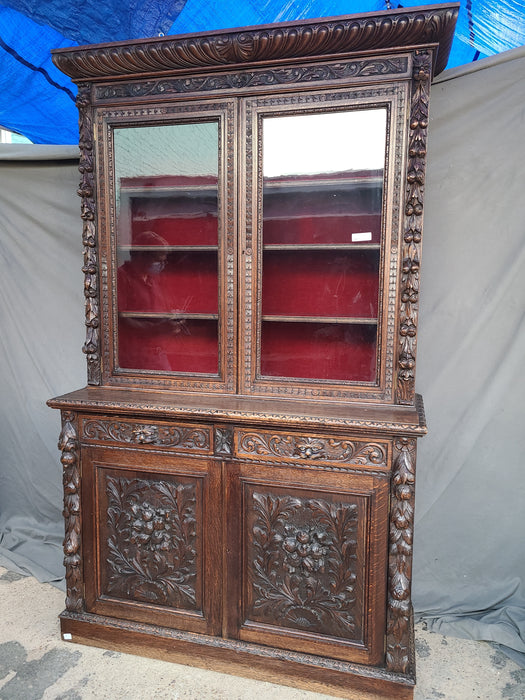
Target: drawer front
x=176 y=437
x=311 y=449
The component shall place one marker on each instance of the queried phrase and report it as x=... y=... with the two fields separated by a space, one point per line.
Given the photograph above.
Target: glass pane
x=167 y=279
x=322 y=201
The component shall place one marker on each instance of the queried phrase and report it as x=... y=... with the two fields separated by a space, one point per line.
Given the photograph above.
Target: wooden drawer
x=311 y=449
x=176 y=437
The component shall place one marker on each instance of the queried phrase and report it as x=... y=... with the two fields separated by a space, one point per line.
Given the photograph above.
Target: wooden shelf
x=320 y=319
x=169 y=248
x=321 y=246
x=167 y=315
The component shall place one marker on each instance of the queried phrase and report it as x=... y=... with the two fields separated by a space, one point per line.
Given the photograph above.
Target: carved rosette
x=302 y=564
x=86 y=191
x=187 y=437
x=411 y=247
x=151 y=541
x=68 y=445
x=308 y=448
x=223 y=441
x=399 y=609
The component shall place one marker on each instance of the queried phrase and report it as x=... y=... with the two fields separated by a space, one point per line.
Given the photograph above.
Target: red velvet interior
x=180 y=221
x=187 y=283
x=310 y=211
x=318 y=351
x=321 y=229
x=321 y=283
x=177 y=346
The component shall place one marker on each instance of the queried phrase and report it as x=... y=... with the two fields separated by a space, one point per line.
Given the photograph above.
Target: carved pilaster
x=399 y=609
x=411 y=247
x=86 y=191
x=68 y=444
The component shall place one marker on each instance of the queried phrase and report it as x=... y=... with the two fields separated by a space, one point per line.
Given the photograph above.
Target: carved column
x=86 y=191
x=411 y=247
x=399 y=611
x=68 y=444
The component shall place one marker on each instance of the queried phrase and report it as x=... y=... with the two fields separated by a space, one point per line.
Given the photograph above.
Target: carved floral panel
x=308 y=448
x=184 y=437
x=302 y=563
x=151 y=544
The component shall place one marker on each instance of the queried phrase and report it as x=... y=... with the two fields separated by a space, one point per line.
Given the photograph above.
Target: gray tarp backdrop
x=469 y=564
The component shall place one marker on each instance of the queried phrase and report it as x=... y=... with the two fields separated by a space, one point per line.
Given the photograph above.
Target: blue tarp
x=36 y=100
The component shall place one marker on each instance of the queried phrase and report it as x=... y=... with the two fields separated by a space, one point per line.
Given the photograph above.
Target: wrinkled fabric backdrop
x=469 y=563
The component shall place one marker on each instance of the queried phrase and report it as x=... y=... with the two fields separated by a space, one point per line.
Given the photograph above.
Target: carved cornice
x=411 y=245
x=399 y=607
x=86 y=191
x=340 y=36
x=69 y=446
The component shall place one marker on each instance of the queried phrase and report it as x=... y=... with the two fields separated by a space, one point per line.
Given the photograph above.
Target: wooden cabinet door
x=307 y=560
x=150 y=553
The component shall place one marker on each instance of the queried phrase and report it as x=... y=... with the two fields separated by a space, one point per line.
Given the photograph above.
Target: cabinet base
x=313 y=673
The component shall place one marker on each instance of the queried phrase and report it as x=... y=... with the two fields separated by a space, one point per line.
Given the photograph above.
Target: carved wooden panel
x=149 y=540
x=302 y=563
x=176 y=436
x=311 y=449
x=307 y=540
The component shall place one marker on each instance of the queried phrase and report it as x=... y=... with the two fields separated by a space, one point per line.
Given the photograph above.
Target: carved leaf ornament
x=411 y=250
x=69 y=446
x=400 y=557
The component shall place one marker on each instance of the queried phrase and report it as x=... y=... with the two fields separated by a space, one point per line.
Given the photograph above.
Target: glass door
x=321 y=178
x=172 y=260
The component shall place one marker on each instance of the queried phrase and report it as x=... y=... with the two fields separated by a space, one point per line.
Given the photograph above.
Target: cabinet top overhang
x=370 y=32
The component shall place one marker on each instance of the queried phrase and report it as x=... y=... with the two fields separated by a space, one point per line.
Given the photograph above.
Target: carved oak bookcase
x=239 y=472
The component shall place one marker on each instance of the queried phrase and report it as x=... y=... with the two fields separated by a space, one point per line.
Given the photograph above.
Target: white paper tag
x=359 y=237
x=67 y=637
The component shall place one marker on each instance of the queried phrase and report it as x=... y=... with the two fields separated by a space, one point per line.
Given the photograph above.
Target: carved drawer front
x=149 y=538
x=311 y=449
x=312 y=568
x=177 y=437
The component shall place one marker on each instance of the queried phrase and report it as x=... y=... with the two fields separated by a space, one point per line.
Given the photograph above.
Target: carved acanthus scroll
x=400 y=557
x=137 y=433
x=69 y=446
x=306 y=448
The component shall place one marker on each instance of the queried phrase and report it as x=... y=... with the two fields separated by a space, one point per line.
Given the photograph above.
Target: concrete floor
x=36 y=664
